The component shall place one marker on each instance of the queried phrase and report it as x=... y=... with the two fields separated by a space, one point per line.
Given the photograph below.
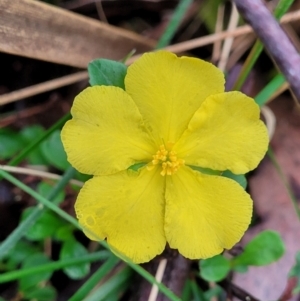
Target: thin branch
x=236 y=291
x=159 y=275
x=233 y=22
x=274 y=39
x=209 y=39
x=180 y=47
x=43 y=87
x=37 y=173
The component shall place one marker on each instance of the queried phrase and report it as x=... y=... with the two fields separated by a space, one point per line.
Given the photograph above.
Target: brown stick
x=275 y=40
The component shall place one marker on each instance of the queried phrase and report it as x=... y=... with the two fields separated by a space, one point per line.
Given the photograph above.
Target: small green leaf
x=137 y=166
x=263 y=249
x=215 y=268
x=54 y=152
x=206 y=171
x=241 y=179
x=46 y=293
x=213 y=292
x=107 y=72
x=22 y=250
x=46 y=226
x=45 y=189
x=240 y=268
x=10 y=143
x=73 y=249
x=28 y=134
x=26 y=283
x=65 y=233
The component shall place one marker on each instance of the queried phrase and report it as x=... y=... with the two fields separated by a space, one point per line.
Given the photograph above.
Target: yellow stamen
x=167 y=159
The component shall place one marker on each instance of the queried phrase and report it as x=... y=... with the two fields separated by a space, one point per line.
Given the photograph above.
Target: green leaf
x=22 y=250
x=240 y=268
x=241 y=179
x=295 y=272
x=107 y=72
x=45 y=189
x=136 y=166
x=10 y=143
x=46 y=226
x=206 y=171
x=65 y=233
x=46 y=293
x=73 y=249
x=54 y=152
x=263 y=249
x=34 y=260
x=214 y=292
x=215 y=268
x=29 y=134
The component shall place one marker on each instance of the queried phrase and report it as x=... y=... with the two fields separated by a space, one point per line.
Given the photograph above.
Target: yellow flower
x=173 y=115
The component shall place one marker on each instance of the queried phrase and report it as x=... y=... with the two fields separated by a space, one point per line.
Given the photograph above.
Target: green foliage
x=27 y=283
x=73 y=249
x=46 y=226
x=49 y=223
x=54 y=152
x=10 y=143
x=174 y=23
x=265 y=248
x=46 y=293
x=28 y=134
x=106 y=72
x=19 y=253
x=295 y=272
x=215 y=268
x=241 y=179
x=116 y=283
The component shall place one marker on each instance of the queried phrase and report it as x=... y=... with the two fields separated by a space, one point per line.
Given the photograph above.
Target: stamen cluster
x=168 y=160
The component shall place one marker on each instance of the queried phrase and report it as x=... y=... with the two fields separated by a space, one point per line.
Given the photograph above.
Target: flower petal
x=204 y=214
x=225 y=133
x=168 y=90
x=127 y=208
x=106 y=134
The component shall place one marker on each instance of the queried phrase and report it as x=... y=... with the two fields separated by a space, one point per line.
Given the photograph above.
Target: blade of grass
x=284 y=181
x=174 y=23
x=15 y=275
x=22 y=228
x=264 y=95
x=281 y=8
x=111 y=285
x=197 y=293
x=74 y=222
x=86 y=288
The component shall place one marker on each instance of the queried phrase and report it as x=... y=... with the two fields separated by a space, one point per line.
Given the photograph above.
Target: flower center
x=168 y=160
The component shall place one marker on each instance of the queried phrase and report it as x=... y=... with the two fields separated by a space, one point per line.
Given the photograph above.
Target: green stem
x=110 y=286
x=14 y=275
x=264 y=95
x=174 y=23
x=86 y=288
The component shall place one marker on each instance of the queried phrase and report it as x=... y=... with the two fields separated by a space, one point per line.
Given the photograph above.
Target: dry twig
x=274 y=38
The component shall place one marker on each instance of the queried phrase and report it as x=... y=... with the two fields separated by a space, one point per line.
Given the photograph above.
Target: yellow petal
x=106 y=134
x=225 y=133
x=127 y=208
x=204 y=214
x=168 y=90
